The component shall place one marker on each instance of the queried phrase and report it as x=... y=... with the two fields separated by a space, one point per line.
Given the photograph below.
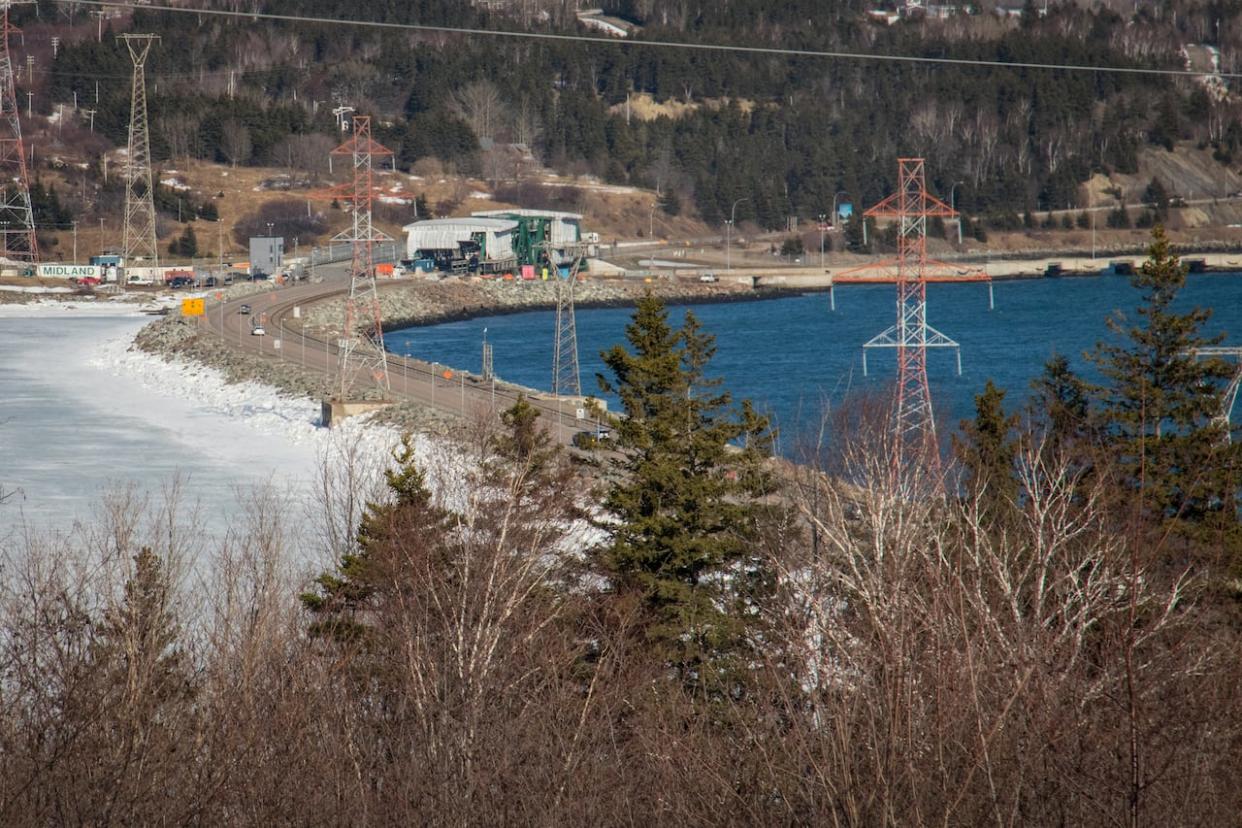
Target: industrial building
x=539 y=230
x=267 y=255
x=462 y=244
x=494 y=241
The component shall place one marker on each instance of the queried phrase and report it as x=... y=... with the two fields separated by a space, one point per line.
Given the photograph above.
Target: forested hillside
x=787 y=133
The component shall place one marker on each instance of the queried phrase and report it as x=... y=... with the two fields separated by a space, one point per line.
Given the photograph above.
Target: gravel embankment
x=426 y=303
x=416 y=303
x=175 y=337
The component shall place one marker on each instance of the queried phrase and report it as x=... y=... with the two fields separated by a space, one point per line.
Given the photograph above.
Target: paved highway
x=445 y=389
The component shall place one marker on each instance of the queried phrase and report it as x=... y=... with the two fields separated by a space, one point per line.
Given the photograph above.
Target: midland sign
x=68 y=271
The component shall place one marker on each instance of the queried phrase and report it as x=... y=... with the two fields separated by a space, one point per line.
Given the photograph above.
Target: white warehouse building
x=460 y=239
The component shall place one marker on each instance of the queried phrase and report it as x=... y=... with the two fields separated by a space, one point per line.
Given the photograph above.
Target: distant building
x=267 y=254
x=614 y=26
x=462 y=244
x=494 y=241
x=541 y=234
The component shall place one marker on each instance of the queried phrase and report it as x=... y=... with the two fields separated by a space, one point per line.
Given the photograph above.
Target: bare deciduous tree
x=235 y=141
x=481 y=106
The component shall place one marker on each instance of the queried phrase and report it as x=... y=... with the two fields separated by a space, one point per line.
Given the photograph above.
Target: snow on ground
x=35 y=289
x=84 y=416
x=260 y=408
x=116 y=305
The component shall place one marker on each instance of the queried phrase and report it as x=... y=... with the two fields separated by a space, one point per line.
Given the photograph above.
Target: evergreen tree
x=854 y=235
x=1159 y=404
x=137 y=642
x=1060 y=405
x=185 y=245
x=687 y=501
x=345 y=600
x=524 y=451
x=988 y=450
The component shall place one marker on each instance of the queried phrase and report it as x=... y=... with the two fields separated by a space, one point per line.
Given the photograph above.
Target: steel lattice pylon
x=16 y=215
x=566 y=377
x=362 y=355
x=1229 y=395
x=914 y=423
x=138 y=240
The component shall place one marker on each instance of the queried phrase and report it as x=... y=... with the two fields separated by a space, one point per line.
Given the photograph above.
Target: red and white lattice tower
x=914 y=446
x=16 y=216
x=362 y=358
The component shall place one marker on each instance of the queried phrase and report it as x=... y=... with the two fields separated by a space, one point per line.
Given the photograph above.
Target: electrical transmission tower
x=362 y=359
x=1229 y=395
x=914 y=447
x=16 y=216
x=566 y=377
x=138 y=240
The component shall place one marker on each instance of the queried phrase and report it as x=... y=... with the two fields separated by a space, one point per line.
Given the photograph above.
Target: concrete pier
x=336 y=411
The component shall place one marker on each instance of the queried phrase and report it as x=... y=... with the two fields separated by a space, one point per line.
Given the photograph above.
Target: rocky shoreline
x=416 y=304
x=175 y=337
x=406 y=305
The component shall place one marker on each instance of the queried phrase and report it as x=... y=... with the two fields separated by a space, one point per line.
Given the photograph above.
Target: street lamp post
x=835 y=214
x=729 y=233
x=822 y=227
x=953 y=207
x=1091 y=210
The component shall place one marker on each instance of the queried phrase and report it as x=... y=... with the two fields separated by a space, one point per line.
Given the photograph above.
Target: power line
x=665 y=44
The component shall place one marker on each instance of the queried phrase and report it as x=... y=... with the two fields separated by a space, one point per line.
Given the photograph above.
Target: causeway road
x=439 y=387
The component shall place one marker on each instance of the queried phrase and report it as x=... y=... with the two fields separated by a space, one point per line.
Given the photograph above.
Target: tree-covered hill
x=789 y=134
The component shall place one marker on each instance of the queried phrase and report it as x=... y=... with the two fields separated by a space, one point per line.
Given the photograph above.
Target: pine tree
x=688 y=501
x=988 y=450
x=345 y=600
x=1060 y=406
x=138 y=640
x=189 y=243
x=1159 y=404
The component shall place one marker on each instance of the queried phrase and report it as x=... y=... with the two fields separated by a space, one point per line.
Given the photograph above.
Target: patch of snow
x=387 y=199
x=84 y=306
x=479 y=194
x=174 y=183
x=35 y=289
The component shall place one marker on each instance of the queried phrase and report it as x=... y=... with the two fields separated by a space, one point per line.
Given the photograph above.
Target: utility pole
x=20 y=241
x=90 y=113
x=953 y=206
x=138 y=238
x=1091 y=210
x=823 y=227
x=729 y=233
x=488 y=371
x=75 y=242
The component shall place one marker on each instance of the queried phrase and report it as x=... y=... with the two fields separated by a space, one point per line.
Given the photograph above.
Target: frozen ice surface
x=80 y=412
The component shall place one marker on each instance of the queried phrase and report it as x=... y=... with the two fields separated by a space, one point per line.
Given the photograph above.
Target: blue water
x=789 y=355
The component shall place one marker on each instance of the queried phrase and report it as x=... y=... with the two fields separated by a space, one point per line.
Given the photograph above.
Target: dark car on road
x=244 y=310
